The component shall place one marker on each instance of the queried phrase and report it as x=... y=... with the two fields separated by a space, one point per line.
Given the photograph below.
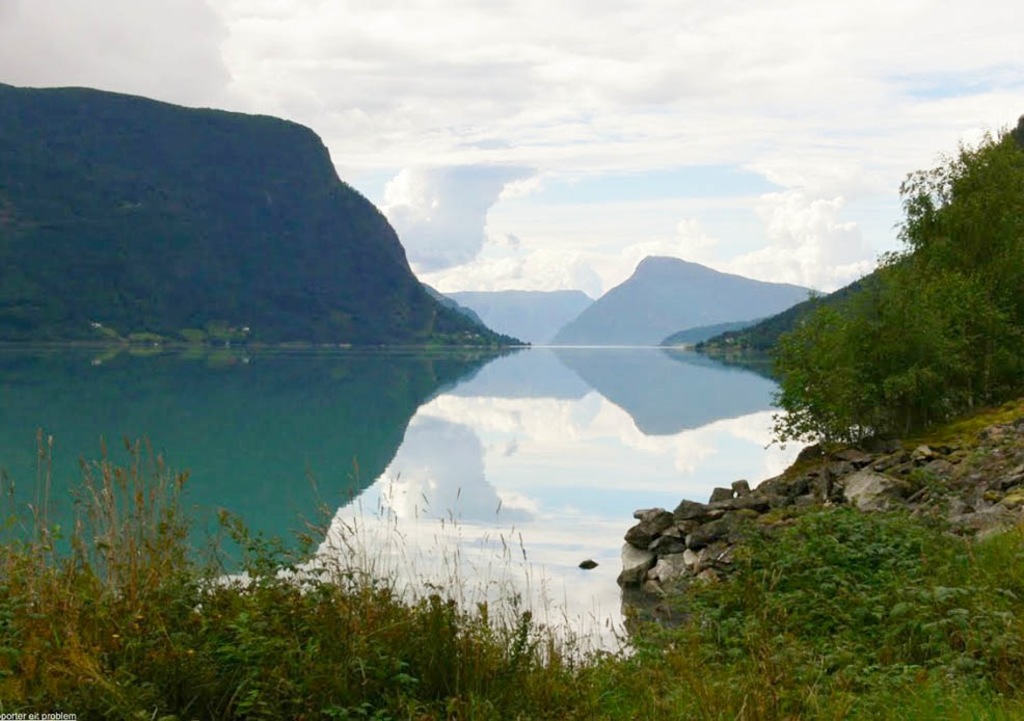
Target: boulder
x=872 y=491
x=751 y=501
x=741 y=488
x=669 y=568
x=854 y=456
x=724 y=529
x=922 y=453
x=635 y=564
x=650 y=527
x=721 y=494
x=667 y=545
x=690 y=511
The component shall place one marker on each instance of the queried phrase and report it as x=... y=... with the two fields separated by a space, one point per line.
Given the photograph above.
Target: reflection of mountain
x=527 y=373
x=251 y=433
x=668 y=394
x=439 y=473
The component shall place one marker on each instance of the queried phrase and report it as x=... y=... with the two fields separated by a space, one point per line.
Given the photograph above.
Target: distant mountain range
x=667 y=295
x=123 y=217
x=533 y=316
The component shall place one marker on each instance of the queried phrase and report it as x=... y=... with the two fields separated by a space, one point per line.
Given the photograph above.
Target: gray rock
x=855 y=456
x=642 y=514
x=922 y=453
x=690 y=511
x=667 y=545
x=741 y=488
x=986 y=521
x=635 y=564
x=650 y=527
x=722 y=529
x=751 y=501
x=872 y=491
x=669 y=568
x=721 y=494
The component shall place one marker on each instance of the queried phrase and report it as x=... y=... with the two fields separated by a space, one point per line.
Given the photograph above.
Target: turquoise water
x=486 y=472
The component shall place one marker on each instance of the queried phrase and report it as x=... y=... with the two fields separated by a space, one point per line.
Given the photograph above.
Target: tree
x=940 y=329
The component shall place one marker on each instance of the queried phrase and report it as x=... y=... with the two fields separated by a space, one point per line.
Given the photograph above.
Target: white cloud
x=440 y=213
x=167 y=49
x=809 y=244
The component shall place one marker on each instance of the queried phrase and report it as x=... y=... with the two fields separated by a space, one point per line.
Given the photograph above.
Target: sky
x=553 y=145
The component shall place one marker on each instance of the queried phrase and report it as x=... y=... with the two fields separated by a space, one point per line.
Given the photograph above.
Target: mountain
x=534 y=316
x=666 y=295
x=453 y=304
x=762 y=336
x=120 y=215
x=691 y=336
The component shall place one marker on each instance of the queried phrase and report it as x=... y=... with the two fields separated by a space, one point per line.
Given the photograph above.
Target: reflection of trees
x=252 y=433
x=665 y=396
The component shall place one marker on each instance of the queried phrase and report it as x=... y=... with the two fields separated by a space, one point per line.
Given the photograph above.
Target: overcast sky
x=554 y=144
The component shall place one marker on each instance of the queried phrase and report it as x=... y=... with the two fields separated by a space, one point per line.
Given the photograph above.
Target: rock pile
x=976 y=488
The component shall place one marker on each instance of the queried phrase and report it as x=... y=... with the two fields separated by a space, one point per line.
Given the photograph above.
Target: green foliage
x=863 y=616
x=938 y=330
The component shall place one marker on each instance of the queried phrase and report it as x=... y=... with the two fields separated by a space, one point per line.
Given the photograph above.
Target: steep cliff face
x=148 y=217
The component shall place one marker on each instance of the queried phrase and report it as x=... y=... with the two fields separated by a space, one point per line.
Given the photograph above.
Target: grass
x=839 y=615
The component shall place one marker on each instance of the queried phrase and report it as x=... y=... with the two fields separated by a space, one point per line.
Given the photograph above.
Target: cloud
x=808 y=243
x=439 y=473
x=166 y=49
x=440 y=213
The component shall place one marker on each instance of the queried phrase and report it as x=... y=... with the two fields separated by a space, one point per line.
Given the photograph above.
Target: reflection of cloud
x=567 y=474
x=439 y=472
x=565 y=443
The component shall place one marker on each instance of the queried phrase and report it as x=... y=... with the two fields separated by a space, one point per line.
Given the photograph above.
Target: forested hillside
x=120 y=215
x=939 y=329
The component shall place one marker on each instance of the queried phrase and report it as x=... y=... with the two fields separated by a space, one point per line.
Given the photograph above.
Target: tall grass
x=839 y=615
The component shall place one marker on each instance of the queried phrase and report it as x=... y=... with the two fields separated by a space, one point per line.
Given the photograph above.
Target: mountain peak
x=666 y=295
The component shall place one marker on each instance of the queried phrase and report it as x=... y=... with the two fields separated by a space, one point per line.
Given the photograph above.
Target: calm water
x=490 y=474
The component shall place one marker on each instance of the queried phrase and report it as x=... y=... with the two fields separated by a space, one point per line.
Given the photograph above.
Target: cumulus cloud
x=809 y=244
x=440 y=214
x=166 y=49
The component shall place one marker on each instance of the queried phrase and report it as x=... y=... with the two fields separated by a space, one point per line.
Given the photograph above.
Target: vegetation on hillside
x=125 y=219
x=939 y=329
x=760 y=338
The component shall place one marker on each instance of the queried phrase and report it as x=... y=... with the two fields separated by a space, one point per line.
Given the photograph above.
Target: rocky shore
x=975 y=482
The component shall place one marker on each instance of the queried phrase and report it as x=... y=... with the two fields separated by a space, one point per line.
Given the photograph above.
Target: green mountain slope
x=666 y=295
x=761 y=337
x=146 y=217
x=691 y=336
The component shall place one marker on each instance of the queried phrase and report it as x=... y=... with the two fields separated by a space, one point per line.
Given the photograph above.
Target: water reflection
x=560 y=474
x=486 y=477
x=266 y=435
x=668 y=392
